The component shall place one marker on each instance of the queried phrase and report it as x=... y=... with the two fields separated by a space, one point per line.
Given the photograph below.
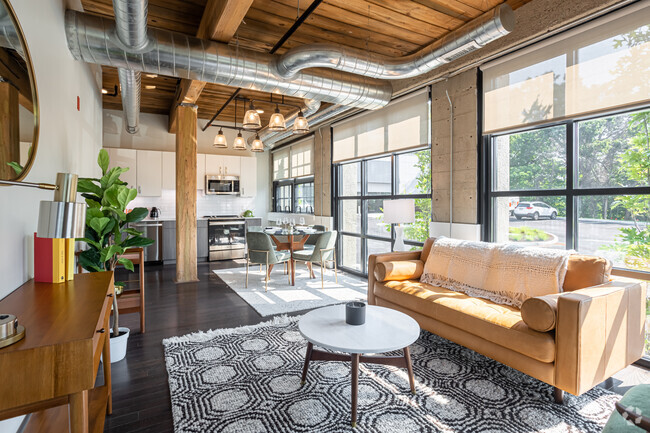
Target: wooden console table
x=51 y=372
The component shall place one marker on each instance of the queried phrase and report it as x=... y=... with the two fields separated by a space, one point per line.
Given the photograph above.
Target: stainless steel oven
x=226 y=238
x=217 y=184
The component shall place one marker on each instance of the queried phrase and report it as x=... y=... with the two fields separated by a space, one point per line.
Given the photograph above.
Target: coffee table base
x=355 y=358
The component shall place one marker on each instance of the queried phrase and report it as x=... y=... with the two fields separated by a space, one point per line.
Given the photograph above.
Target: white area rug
x=282 y=297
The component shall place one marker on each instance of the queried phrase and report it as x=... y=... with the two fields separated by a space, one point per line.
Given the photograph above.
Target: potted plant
x=108 y=235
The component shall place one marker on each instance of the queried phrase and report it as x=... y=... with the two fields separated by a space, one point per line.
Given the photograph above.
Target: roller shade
x=302 y=157
x=402 y=124
x=281 y=164
x=596 y=67
x=296 y=160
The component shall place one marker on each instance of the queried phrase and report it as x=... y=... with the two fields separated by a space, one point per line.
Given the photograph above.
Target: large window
x=294 y=195
x=581 y=184
x=362 y=186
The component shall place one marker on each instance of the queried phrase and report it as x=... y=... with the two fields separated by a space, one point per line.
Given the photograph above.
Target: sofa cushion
x=500 y=324
x=540 y=313
x=399 y=270
x=586 y=271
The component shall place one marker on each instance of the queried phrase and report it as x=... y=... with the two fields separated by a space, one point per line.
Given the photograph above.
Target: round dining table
x=295 y=241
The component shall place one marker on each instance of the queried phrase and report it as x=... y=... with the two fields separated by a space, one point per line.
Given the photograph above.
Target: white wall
x=69 y=140
x=153 y=135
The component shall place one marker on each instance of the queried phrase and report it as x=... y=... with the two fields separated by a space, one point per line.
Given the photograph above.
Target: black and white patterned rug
x=248 y=380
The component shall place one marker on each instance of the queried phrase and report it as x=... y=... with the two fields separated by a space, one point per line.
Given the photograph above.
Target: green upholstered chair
x=632 y=413
x=312 y=239
x=324 y=251
x=261 y=252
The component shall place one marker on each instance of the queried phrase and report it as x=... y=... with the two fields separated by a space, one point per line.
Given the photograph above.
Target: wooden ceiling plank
x=220 y=21
x=417 y=11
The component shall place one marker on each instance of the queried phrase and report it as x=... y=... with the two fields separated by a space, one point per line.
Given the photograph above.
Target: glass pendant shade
x=240 y=143
x=277 y=123
x=220 y=140
x=252 y=118
x=300 y=125
x=257 y=145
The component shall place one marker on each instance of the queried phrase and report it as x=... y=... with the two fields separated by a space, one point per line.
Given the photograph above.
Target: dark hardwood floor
x=140 y=390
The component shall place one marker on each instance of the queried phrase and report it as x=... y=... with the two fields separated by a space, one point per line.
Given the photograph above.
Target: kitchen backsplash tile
x=205 y=204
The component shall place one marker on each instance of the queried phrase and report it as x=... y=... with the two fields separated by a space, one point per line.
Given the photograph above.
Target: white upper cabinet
x=248 y=179
x=225 y=165
x=124 y=158
x=200 y=171
x=149 y=173
x=169 y=171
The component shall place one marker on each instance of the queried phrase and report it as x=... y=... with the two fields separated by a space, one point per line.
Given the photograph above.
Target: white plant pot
x=118 y=345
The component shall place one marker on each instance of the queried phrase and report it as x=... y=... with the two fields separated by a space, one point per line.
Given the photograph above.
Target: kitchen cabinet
x=149 y=173
x=124 y=158
x=225 y=165
x=200 y=171
x=248 y=180
x=169 y=171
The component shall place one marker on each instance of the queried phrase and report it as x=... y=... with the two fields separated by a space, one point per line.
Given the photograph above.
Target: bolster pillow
x=540 y=312
x=399 y=270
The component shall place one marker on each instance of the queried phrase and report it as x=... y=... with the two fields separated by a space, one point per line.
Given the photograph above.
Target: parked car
x=512 y=205
x=535 y=210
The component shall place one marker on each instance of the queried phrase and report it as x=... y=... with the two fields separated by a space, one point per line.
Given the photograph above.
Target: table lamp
x=398 y=212
x=62 y=218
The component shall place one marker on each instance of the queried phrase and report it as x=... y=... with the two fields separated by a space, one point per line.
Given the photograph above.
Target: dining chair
x=312 y=239
x=324 y=251
x=261 y=252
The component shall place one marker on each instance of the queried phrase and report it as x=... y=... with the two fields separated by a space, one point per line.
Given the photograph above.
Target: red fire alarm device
x=78 y=104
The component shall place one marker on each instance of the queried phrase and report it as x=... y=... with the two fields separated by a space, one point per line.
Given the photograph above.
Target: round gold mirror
x=18 y=99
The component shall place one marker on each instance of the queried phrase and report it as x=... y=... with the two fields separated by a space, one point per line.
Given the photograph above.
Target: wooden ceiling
x=392 y=28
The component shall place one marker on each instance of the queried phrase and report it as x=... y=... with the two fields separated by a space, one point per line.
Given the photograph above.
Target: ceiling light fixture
x=240 y=143
x=251 y=118
x=257 y=145
x=259 y=110
x=300 y=125
x=220 y=140
x=151 y=75
x=105 y=92
x=277 y=122
x=149 y=87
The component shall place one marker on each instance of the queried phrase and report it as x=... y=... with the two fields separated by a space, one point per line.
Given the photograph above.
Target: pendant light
x=240 y=143
x=300 y=125
x=257 y=145
x=220 y=140
x=252 y=118
x=277 y=122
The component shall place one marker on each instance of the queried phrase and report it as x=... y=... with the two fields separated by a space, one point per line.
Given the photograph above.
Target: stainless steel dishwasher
x=151 y=230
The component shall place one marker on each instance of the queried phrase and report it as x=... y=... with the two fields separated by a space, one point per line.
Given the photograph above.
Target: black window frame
x=572 y=192
x=292 y=183
x=364 y=198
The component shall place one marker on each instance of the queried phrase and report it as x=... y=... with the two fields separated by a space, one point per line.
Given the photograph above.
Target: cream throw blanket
x=503 y=273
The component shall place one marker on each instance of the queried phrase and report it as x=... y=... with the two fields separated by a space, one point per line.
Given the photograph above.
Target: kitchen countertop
x=161 y=219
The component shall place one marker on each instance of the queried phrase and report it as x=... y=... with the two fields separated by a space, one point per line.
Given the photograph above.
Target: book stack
x=53 y=259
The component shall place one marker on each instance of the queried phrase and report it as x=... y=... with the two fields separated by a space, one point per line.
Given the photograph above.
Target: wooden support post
x=9 y=130
x=186 y=270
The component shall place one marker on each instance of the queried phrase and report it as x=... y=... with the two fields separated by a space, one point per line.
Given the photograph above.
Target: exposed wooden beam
x=220 y=21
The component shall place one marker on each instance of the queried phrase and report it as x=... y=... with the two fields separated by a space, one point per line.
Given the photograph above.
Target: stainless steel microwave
x=218 y=184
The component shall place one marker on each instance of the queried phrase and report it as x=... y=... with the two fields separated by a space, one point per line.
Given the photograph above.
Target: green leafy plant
x=527 y=234
x=107 y=233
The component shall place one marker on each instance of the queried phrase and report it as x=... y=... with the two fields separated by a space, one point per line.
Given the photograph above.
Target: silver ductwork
x=309 y=108
x=93 y=40
x=488 y=27
x=131 y=31
x=315 y=119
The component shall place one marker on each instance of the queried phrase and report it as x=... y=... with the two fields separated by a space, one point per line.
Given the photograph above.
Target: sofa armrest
x=600 y=330
x=373 y=259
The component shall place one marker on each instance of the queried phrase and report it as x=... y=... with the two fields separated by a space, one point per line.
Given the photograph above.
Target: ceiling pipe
x=131 y=31
x=93 y=40
x=489 y=27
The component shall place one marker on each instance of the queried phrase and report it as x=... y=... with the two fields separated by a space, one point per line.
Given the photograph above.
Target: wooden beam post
x=9 y=130
x=186 y=269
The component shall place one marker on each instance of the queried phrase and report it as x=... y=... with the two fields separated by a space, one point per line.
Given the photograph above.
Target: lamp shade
x=277 y=122
x=400 y=211
x=257 y=145
x=220 y=140
x=61 y=219
x=252 y=120
x=240 y=143
x=300 y=125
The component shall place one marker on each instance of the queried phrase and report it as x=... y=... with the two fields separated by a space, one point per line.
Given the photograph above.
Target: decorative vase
x=355 y=313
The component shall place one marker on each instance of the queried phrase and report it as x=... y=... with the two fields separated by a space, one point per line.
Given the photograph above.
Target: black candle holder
x=355 y=313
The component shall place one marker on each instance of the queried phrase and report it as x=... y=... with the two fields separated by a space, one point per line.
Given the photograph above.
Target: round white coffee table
x=385 y=330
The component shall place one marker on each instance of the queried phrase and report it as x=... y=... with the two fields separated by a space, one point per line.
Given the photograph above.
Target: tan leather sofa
x=596 y=330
